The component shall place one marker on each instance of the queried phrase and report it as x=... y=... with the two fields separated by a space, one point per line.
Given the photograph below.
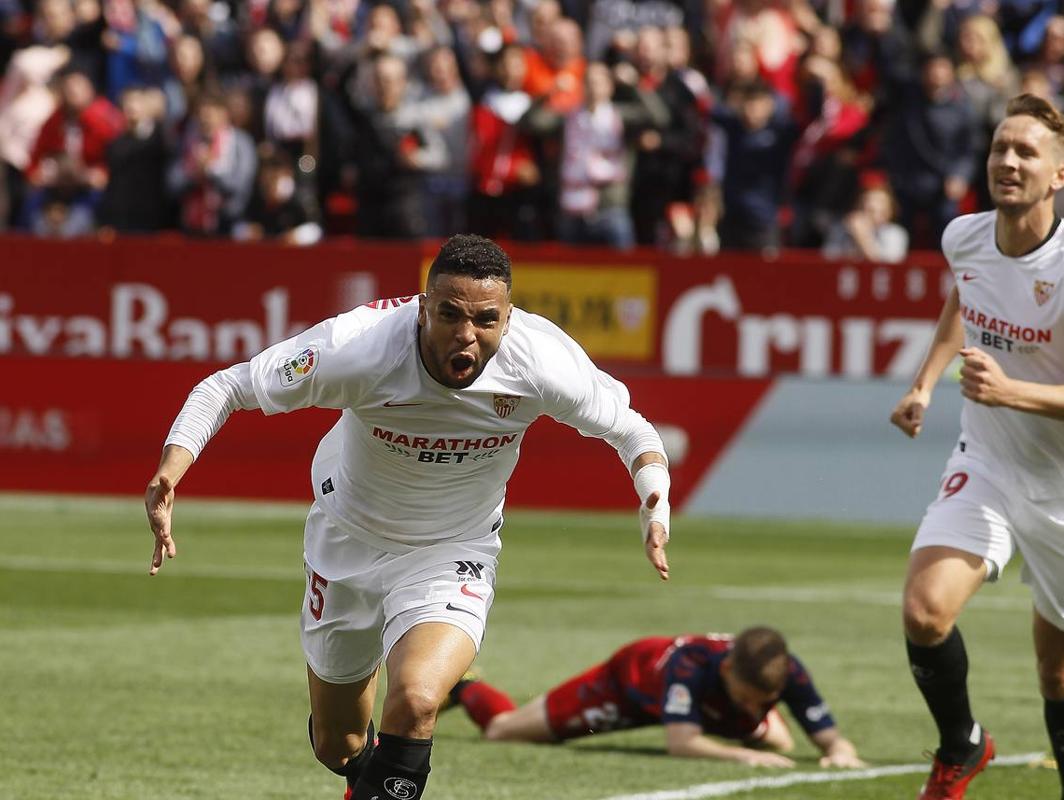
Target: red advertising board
x=97 y=426
x=101 y=343
x=173 y=300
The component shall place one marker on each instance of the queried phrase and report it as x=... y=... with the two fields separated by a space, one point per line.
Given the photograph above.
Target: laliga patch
x=678 y=700
x=295 y=368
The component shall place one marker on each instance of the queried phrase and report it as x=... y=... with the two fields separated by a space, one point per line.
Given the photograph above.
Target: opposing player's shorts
x=357 y=607
x=591 y=702
x=987 y=518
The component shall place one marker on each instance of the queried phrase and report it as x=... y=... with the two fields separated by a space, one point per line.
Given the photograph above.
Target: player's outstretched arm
x=205 y=411
x=159 y=501
x=686 y=740
x=651 y=475
x=984 y=381
x=837 y=750
x=908 y=414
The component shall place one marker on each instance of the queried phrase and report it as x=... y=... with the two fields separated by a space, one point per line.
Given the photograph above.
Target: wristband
x=650 y=478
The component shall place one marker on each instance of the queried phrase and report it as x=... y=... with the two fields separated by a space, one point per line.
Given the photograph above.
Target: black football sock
x=399 y=768
x=456 y=691
x=1054 y=715
x=941 y=673
x=357 y=763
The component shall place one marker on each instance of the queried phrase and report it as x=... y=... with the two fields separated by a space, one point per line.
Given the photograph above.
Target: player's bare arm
x=652 y=510
x=686 y=740
x=159 y=501
x=984 y=381
x=908 y=414
x=838 y=751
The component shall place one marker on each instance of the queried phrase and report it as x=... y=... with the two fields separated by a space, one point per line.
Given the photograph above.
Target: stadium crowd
x=856 y=126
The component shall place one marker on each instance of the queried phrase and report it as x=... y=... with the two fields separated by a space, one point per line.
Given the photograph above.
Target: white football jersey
x=412 y=461
x=1011 y=308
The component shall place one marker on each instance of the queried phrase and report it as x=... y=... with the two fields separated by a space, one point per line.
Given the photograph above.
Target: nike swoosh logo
x=470 y=593
x=967 y=276
x=463 y=610
x=390 y=404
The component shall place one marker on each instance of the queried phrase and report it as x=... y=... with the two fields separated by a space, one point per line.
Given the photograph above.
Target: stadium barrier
x=763 y=376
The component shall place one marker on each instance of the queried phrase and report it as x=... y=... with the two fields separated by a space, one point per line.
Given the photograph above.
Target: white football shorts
x=988 y=518
x=357 y=607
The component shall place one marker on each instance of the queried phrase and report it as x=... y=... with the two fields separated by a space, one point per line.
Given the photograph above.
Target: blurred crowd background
x=859 y=127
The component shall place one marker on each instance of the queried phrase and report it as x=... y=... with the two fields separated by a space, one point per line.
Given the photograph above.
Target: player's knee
x=927 y=622
x=414 y=709
x=1051 y=679
x=333 y=750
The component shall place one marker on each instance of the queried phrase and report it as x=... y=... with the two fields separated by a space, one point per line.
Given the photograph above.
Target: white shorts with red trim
x=355 y=612
x=980 y=513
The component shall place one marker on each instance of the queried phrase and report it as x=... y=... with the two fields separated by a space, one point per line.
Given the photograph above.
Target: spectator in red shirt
x=215 y=172
x=504 y=169
x=68 y=161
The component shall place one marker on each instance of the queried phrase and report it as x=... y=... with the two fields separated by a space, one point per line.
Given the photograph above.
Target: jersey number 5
x=316 y=600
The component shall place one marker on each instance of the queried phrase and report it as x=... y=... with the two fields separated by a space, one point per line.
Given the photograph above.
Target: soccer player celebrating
x=693 y=685
x=1002 y=487
x=401 y=542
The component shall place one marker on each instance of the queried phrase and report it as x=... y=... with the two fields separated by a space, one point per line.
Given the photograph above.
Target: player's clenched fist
x=909 y=413
x=982 y=378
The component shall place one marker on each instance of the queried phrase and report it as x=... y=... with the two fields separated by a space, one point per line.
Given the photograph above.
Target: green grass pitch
x=191 y=684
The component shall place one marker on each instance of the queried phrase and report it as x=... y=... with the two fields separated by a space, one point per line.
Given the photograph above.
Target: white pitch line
x=116 y=567
x=727 y=788
x=811 y=595
x=832 y=595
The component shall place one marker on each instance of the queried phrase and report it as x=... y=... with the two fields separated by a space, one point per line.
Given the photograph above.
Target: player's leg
x=341 y=730
x=965 y=538
x=1041 y=540
x=483 y=703
x=422 y=666
x=525 y=724
x=1049 y=649
x=341 y=624
x=940 y=582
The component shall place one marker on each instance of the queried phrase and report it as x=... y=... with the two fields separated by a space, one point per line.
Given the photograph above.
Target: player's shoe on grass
x=452 y=697
x=950 y=781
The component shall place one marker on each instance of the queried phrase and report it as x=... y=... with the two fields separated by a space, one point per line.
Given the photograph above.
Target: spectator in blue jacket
x=930 y=155
x=760 y=135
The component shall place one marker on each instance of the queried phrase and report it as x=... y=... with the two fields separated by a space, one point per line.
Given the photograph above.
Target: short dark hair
x=759 y=658
x=474 y=257
x=1030 y=105
x=751 y=89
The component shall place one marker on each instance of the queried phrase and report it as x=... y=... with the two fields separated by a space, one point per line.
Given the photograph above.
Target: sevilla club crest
x=1042 y=291
x=506 y=404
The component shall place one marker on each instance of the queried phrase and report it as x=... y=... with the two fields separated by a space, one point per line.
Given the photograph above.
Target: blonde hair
x=994 y=68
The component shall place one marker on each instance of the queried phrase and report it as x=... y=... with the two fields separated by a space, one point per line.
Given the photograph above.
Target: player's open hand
x=843 y=761
x=983 y=380
x=657 y=538
x=765 y=758
x=908 y=415
x=159 y=503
